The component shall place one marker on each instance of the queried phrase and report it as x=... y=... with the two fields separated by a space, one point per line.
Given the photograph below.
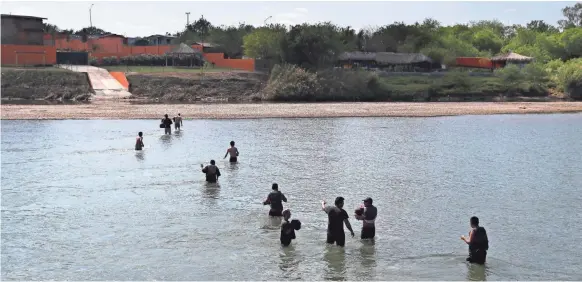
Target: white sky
x=146 y=18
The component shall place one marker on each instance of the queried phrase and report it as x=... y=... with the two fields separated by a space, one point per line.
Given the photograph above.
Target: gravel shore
x=125 y=110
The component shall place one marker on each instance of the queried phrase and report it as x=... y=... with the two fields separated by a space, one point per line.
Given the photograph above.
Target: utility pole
x=90 y=20
x=187 y=18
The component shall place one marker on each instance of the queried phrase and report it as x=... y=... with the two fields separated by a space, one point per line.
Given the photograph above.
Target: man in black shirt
x=368 y=219
x=478 y=242
x=212 y=172
x=337 y=216
x=275 y=199
x=167 y=122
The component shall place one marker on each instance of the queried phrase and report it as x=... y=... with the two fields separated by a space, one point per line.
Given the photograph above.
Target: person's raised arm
x=323 y=207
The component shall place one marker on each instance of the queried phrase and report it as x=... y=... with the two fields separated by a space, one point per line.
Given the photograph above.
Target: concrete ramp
x=104 y=85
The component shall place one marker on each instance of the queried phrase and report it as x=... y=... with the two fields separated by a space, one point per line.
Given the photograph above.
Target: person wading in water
x=139 y=141
x=477 y=241
x=275 y=199
x=233 y=151
x=178 y=122
x=167 y=123
x=337 y=217
x=368 y=218
x=288 y=228
x=212 y=172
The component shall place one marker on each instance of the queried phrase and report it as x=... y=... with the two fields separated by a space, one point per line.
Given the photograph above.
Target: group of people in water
x=477 y=240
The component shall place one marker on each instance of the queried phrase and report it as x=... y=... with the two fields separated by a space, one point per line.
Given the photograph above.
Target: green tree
x=487 y=40
x=572 y=40
x=573 y=16
x=541 y=26
x=312 y=46
x=230 y=38
x=264 y=43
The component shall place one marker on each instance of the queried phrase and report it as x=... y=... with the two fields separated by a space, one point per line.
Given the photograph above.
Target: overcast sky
x=147 y=18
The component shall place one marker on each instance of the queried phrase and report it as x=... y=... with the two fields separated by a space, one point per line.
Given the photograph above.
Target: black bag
x=296 y=224
x=162 y=125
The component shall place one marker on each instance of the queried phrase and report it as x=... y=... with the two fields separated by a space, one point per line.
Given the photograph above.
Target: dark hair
x=140 y=133
x=475 y=221
x=166 y=115
x=275 y=186
x=339 y=200
x=212 y=162
x=231 y=143
x=178 y=113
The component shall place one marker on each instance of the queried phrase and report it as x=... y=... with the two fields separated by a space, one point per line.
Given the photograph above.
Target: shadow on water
x=289 y=263
x=476 y=272
x=335 y=258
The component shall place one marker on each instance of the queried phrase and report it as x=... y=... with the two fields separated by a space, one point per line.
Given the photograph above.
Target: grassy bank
x=290 y=83
x=187 y=87
x=44 y=83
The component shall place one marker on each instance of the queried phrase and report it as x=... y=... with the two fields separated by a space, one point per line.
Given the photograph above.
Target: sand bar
x=124 y=110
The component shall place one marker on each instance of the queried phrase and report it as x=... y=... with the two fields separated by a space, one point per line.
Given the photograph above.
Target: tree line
x=314 y=46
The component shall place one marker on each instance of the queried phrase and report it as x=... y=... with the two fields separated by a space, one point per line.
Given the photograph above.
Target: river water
x=78 y=203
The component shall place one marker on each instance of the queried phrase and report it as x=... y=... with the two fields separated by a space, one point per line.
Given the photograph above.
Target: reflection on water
x=476 y=272
x=80 y=205
x=289 y=263
x=211 y=190
x=335 y=259
x=139 y=155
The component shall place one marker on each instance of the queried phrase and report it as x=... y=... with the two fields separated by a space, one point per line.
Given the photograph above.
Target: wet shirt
x=178 y=120
x=167 y=122
x=139 y=143
x=370 y=214
x=336 y=217
x=479 y=240
x=275 y=199
x=212 y=172
x=287 y=232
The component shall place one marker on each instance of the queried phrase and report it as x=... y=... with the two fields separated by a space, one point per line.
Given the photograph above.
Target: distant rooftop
x=22 y=17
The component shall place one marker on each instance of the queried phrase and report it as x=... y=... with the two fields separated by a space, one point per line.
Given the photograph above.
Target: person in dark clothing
x=337 y=217
x=368 y=218
x=212 y=172
x=139 y=141
x=275 y=199
x=167 y=122
x=477 y=241
x=288 y=228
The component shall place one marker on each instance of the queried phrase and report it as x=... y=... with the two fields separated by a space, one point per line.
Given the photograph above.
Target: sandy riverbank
x=124 y=110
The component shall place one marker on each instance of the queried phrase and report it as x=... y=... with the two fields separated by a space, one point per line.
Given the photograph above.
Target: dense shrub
x=569 y=78
x=292 y=83
x=150 y=60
